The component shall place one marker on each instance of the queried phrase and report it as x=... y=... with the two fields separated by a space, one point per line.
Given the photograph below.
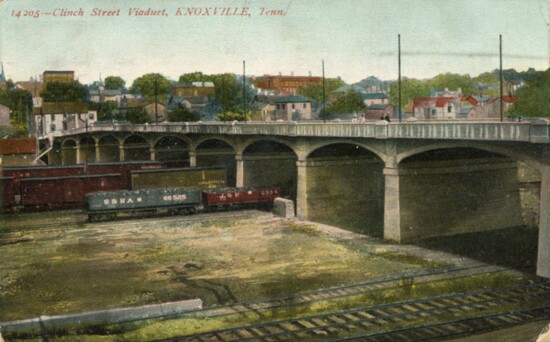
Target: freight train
x=109 y=205
x=37 y=188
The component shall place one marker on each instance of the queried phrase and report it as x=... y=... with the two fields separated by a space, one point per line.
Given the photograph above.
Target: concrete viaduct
x=402 y=181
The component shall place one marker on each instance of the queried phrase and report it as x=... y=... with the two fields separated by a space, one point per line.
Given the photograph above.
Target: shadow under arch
x=108 y=149
x=269 y=162
x=217 y=152
x=68 y=152
x=345 y=188
x=472 y=202
x=171 y=148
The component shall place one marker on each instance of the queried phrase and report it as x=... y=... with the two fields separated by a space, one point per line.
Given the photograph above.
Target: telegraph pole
x=156 y=110
x=501 y=79
x=244 y=90
x=324 y=97
x=399 y=73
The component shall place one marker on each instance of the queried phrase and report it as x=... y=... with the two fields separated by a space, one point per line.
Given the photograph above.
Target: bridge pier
x=301 y=191
x=239 y=176
x=392 y=211
x=543 y=259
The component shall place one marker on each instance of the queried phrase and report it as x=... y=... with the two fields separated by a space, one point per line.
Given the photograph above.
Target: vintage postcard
x=230 y=170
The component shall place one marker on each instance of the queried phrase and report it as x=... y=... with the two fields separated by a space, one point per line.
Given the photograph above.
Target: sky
x=354 y=38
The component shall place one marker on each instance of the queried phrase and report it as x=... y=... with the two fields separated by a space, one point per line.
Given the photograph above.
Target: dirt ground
x=56 y=263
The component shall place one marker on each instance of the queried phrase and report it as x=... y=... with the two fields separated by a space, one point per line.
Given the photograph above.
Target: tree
x=232 y=116
x=137 y=115
x=64 y=92
x=453 y=82
x=182 y=114
x=114 y=82
x=152 y=85
x=350 y=102
x=108 y=110
x=19 y=102
x=534 y=97
x=314 y=91
x=411 y=88
x=196 y=76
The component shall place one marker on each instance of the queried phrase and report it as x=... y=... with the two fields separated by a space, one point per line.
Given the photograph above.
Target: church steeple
x=2 y=75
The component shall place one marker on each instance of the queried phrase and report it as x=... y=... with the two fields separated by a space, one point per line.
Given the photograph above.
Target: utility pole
x=244 y=90
x=324 y=97
x=156 y=109
x=399 y=74
x=501 y=79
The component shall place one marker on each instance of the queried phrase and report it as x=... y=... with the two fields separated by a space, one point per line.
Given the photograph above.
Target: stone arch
x=508 y=152
x=109 y=148
x=200 y=141
x=345 y=187
x=87 y=149
x=171 y=148
x=368 y=147
x=270 y=162
x=250 y=142
x=69 y=151
x=136 y=148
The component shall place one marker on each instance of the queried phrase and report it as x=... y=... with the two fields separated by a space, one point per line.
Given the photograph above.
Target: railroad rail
x=412 y=320
x=380 y=283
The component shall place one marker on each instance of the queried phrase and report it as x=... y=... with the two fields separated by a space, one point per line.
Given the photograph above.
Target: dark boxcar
x=7 y=195
x=42 y=171
x=153 y=200
x=194 y=177
x=42 y=193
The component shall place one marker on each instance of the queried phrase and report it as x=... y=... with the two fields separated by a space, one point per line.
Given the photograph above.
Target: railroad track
x=381 y=283
x=415 y=320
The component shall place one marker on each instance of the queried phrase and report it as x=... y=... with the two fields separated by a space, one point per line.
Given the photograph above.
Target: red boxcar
x=45 y=193
x=228 y=197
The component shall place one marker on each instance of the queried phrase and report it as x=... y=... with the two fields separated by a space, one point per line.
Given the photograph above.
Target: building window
x=305 y=105
x=293 y=106
x=434 y=112
x=52 y=117
x=52 y=127
x=449 y=109
x=91 y=115
x=284 y=106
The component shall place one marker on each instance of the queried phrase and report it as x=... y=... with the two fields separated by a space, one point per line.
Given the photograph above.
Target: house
x=291 y=108
x=436 y=107
x=17 y=151
x=157 y=112
x=194 y=89
x=264 y=107
x=378 y=110
x=374 y=98
x=55 y=117
x=445 y=92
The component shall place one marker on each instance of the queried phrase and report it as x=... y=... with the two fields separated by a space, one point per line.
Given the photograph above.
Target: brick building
x=284 y=84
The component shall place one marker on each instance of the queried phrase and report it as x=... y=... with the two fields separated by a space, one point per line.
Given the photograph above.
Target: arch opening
x=215 y=152
x=270 y=163
x=471 y=202
x=108 y=149
x=345 y=188
x=171 y=148
x=136 y=148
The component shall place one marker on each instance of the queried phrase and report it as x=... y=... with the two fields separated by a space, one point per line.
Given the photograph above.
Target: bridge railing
x=536 y=132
